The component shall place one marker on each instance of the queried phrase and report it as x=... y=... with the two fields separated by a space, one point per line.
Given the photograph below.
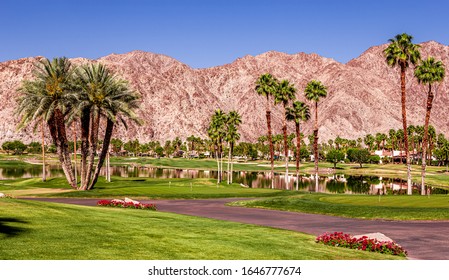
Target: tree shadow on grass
x=9 y=227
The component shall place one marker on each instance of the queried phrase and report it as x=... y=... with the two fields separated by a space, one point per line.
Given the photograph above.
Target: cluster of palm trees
x=283 y=92
x=224 y=128
x=394 y=139
x=402 y=52
x=61 y=94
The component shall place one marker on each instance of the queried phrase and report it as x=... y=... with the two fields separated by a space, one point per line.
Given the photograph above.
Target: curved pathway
x=422 y=239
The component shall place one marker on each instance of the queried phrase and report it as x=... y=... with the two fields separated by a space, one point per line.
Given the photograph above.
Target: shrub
x=374 y=159
x=339 y=239
x=123 y=204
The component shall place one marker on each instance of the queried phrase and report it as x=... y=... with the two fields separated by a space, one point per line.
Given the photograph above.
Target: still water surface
x=334 y=183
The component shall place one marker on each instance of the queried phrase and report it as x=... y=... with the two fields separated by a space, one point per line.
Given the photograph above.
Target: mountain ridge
x=177 y=100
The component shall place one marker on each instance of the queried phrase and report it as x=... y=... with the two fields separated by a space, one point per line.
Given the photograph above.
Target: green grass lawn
x=392 y=207
x=36 y=230
x=135 y=187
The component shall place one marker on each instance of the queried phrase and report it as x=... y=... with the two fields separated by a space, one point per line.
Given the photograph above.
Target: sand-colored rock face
x=363 y=95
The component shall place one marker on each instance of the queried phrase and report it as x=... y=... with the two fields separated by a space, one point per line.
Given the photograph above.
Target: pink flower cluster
x=123 y=204
x=339 y=239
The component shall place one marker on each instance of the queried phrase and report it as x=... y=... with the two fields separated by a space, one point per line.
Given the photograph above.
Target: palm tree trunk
x=232 y=149
x=93 y=139
x=229 y=162
x=270 y=141
x=59 y=136
x=425 y=139
x=44 y=175
x=404 y=125
x=218 y=163
x=284 y=130
x=103 y=153
x=74 y=153
x=298 y=153
x=109 y=167
x=315 y=146
x=85 y=124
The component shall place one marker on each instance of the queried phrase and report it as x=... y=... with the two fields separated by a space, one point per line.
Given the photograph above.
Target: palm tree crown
x=402 y=51
x=430 y=71
x=111 y=96
x=50 y=90
x=315 y=90
x=299 y=112
x=284 y=93
x=266 y=85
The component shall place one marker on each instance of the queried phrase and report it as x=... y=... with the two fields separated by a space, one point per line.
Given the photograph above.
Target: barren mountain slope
x=363 y=95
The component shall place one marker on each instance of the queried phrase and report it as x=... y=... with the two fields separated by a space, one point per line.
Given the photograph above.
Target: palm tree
x=428 y=72
x=369 y=141
x=216 y=133
x=285 y=92
x=50 y=97
x=392 y=137
x=314 y=91
x=403 y=52
x=299 y=112
x=432 y=139
x=101 y=94
x=233 y=120
x=266 y=86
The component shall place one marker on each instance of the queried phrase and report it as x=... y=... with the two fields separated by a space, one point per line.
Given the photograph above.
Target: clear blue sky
x=205 y=33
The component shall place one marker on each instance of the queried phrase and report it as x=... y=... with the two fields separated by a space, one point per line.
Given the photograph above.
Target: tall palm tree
x=50 y=97
x=266 y=86
x=428 y=72
x=216 y=132
x=313 y=92
x=101 y=95
x=402 y=52
x=298 y=113
x=285 y=93
x=233 y=121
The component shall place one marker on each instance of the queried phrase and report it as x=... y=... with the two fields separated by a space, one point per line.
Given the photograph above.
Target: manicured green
x=391 y=207
x=136 y=187
x=36 y=230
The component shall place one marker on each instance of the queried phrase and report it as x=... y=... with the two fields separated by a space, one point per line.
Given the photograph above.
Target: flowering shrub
x=123 y=204
x=339 y=239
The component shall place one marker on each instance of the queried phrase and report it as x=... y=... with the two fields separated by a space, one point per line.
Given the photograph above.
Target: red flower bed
x=122 y=204
x=339 y=239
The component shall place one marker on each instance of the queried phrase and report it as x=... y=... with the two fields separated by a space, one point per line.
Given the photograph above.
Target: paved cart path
x=422 y=239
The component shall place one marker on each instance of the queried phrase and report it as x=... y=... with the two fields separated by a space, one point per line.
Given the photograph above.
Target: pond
x=333 y=183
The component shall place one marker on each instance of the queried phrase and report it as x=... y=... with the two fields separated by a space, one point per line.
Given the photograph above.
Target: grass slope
x=435 y=207
x=37 y=230
x=136 y=187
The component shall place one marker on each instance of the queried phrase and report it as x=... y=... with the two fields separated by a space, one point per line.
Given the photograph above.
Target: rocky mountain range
x=177 y=100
